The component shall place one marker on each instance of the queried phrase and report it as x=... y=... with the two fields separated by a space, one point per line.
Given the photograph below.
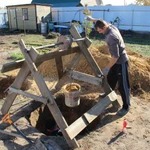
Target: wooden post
x=41 y=58
x=76 y=127
x=90 y=59
x=59 y=65
x=21 y=77
x=60 y=120
x=85 y=51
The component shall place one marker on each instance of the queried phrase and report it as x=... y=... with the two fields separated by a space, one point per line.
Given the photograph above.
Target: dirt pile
x=139 y=67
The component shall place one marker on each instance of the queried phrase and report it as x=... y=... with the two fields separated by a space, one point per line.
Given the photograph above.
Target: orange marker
x=124 y=125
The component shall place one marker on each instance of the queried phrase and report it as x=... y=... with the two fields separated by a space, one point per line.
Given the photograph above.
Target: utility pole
x=124 y=2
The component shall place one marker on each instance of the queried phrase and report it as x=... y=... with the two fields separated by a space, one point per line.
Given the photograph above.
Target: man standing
x=117 y=68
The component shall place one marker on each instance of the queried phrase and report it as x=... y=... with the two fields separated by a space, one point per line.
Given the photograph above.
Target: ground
x=107 y=135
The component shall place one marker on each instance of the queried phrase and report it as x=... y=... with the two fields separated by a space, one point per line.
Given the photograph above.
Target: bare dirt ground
x=107 y=135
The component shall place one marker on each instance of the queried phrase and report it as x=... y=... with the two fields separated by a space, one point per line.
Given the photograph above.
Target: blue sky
x=4 y=3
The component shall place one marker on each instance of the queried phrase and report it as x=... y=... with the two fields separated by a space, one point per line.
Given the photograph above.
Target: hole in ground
x=43 y=120
x=6 y=81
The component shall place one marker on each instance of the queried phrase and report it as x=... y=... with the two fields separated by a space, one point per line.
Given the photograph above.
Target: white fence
x=136 y=18
x=3 y=18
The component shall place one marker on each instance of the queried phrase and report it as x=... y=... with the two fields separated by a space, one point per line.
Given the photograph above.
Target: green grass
x=37 y=40
x=138 y=43
x=30 y=40
x=16 y=56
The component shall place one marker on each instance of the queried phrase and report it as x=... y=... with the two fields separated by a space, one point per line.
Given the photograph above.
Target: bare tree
x=143 y=2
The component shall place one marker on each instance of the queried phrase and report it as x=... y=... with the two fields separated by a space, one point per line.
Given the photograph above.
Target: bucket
x=43 y=28
x=72 y=94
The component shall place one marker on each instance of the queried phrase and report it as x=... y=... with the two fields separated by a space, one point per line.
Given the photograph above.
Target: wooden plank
x=11 y=134
x=48 y=46
x=36 y=98
x=84 y=77
x=95 y=111
x=62 y=124
x=41 y=58
x=12 y=65
x=21 y=77
x=76 y=127
x=90 y=59
x=46 y=93
x=71 y=65
x=14 y=134
x=37 y=77
x=59 y=66
x=88 y=42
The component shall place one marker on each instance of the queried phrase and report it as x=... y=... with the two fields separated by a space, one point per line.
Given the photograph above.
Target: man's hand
x=89 y=18
x=105 y=71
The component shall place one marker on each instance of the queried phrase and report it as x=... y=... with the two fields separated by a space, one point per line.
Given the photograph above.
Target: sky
x=4 y=3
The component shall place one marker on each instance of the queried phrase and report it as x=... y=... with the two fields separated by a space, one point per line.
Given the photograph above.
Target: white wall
x=3 y=18
x=136 y=18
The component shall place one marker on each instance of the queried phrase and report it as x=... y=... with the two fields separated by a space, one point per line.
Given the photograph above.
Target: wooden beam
x=10 y=134
x=59 y=66
x=18 y=82
x=71 y=65
x=83 y=47
x=84 y=77
x=76 y=127
x=41 y=58
x=36 y=98
x=37 y=77
x=60 y=120
x=14 y=134
x=48 y=46
x=90 y=59
x=88 y=42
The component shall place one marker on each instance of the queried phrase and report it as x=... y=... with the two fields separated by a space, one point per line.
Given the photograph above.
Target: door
x=13 y=18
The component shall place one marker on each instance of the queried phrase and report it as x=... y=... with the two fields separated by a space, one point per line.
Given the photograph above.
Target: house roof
x=28 y=4
x=64 y=3
x=58 y=3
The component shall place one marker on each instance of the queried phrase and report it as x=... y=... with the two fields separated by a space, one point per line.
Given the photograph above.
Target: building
x=28 y=16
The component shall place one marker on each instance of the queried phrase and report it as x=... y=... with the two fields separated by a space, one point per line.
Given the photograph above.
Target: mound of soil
x=139 y=67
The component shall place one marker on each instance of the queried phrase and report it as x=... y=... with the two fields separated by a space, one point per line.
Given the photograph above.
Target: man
x=117 y=68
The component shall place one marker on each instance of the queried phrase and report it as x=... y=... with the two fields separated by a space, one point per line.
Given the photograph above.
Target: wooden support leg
x=59 y=65
x=60 y=120
x=90 y=59
x=87 y=54
x=21 y=77
x=71 y=65
x=76 y=127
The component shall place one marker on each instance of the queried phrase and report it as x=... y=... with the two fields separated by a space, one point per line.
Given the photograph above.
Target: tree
x=143 y=2
x=99 y=2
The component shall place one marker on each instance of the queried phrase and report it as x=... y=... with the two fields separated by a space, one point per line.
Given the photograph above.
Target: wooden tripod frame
x=30 y=66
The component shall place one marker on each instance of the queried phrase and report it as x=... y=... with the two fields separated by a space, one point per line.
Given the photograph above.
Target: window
x=25 y=13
